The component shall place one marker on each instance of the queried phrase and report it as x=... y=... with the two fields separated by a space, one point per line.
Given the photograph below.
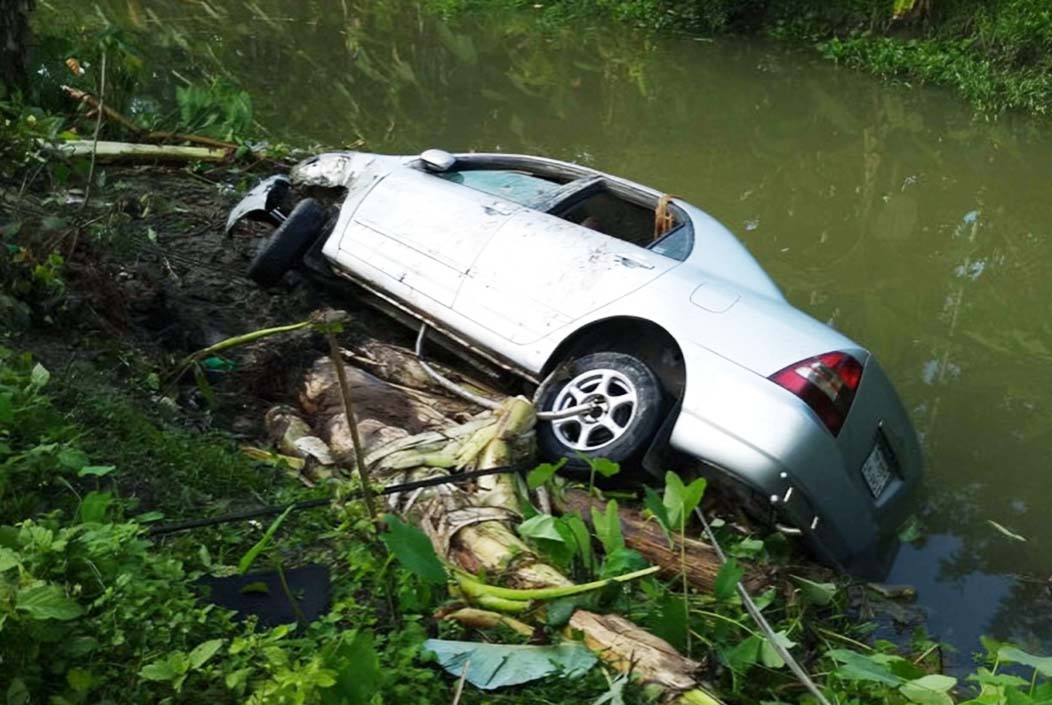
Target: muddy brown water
x=891 y=212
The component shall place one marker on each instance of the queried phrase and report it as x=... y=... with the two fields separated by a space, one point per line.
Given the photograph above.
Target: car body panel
x=428 y=249
x=514 y=290
x=515 y=284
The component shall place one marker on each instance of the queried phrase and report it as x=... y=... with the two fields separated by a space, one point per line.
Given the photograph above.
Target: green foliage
x=608 y=528
x=543 y=473
x=491 y=666
x=413 y=550
x=727 y=580
x=250 y=557
x=218 y=109
x=998 y=55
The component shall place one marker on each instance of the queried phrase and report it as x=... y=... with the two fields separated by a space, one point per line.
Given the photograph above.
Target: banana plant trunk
x=472 y=527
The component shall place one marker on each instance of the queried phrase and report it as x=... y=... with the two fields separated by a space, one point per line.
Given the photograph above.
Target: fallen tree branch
x=647 y=538
x=149 y=135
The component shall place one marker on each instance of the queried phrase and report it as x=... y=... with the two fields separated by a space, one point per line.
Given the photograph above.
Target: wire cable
x=274 y=510
x=761 y=621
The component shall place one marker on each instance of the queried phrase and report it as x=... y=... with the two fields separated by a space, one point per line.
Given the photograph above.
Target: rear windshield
x=515 y=186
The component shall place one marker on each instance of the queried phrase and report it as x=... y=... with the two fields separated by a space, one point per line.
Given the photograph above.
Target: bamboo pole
x=106 y=151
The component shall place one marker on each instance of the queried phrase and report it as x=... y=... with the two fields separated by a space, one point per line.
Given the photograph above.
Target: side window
x=515 y=186
x=676 y=244
x=608 y=213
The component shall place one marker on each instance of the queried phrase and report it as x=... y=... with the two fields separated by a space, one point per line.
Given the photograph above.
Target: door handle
x=632 y=262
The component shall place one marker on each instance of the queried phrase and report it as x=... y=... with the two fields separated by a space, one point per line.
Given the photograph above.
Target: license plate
x=878 y=468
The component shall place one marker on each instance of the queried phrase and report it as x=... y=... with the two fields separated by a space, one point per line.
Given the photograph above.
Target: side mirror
x=437 y=160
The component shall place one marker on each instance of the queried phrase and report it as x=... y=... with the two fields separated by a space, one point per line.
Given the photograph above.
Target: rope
x=761 y=621
x=663 y=219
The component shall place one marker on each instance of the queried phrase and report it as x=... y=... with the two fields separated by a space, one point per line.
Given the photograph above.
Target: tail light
x=827 y=383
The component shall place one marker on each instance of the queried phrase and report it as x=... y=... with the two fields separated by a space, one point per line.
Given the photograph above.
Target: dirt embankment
x=162 y=280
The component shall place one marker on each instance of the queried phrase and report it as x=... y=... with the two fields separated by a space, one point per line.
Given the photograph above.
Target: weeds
x=995 y=54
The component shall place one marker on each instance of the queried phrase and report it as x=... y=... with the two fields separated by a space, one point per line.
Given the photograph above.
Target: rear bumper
x=773 y=443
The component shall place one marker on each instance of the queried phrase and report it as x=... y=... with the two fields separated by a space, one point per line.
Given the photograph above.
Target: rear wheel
x=288 y=243
x=627 y=400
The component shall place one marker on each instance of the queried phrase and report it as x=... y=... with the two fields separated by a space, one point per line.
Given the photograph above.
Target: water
x=890 y=212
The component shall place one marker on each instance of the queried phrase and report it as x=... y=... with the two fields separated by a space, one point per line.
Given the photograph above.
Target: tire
x=623 y=431
x=285 y=248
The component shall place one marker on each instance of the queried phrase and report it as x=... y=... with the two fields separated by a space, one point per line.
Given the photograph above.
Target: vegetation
x=997 y=54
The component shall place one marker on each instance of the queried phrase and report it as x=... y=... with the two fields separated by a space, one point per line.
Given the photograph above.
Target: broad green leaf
x=604 y=467
x=8 y=559
x=160 y=670
x=608 y=527
x=491 y=666
x=541 y=526
x=204 y=651
x=680 y=500
x=79 y=680
x=17 y=692
x=929 y=690
x=860 y=667
x=744 y=655
x=746 y=548
x=47 y=601
x=819 y=594
x=357 y=670
x=542 y=473
x=656 y=507
x=1007 y=680
x=1012 y=654
x=93 y=507
x=560 y=611
x=249 y=558
x=769 y=656
x=582 y=538
x=95 y=470
x=600 y=466
x=7 y=412
x=620 y=562
x=671 y=621
x=726 y=583
x=414 y=550
x=73 y=458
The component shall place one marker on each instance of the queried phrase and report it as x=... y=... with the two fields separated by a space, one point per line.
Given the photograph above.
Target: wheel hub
x=613 y=401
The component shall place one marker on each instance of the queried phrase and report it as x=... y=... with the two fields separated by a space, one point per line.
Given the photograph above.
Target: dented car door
x=540 y=273
x=417 y=235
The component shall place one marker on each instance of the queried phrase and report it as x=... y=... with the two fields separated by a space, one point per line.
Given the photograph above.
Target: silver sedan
x=641 y=317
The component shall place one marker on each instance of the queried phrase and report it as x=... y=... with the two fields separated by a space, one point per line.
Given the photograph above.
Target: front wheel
x=627 y=409
x=288 y=243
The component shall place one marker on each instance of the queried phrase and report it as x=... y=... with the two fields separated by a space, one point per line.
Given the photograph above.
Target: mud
x=163 y=281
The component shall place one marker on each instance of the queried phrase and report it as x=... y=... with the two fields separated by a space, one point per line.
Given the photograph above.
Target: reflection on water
x=887 y=212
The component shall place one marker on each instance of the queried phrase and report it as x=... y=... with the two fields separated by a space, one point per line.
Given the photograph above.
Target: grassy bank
x=997 y=54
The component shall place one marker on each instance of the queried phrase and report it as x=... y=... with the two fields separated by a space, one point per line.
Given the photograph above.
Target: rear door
x=540 y=273
x=416 y=235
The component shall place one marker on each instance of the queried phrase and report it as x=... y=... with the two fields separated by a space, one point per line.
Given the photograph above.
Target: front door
x=416 y=235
